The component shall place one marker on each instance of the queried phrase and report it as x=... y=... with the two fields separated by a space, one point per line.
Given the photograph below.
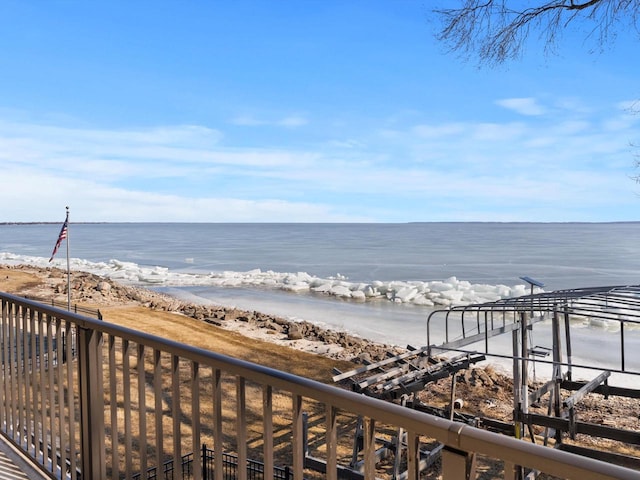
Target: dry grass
x=200 y=334
x=16 y=281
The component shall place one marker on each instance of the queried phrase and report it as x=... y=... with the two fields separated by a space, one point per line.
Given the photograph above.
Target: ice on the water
x=438 y=293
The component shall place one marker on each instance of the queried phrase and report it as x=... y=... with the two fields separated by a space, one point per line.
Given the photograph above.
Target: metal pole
x=516 y=383
x=68 y=266
x=622 y=344
x=452 y=398
x=557 y=370
x=525 y=363
x=567 y=331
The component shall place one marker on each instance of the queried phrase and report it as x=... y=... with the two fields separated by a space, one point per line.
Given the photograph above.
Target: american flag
x=61 y=237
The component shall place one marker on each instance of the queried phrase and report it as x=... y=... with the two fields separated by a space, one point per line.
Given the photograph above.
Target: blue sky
x=308 y=111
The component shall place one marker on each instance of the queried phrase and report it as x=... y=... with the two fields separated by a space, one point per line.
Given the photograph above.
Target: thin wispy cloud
x=293 y=121
x=439 y=131
x=524 y=106
x=290 y=121
x=246 y=121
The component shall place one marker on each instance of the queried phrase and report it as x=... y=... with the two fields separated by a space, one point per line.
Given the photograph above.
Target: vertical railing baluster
x=20 y=418
x=71 y=389
x=126 y=403
x=3 y=316
x=51 y=387
x=454 y=464
x=100 y=394
x=175 y=414
x=331 y=440
x=369 y=448
x=509 y=471
x=42 y=368
x=92 y=459
x=217 y=425
x=6 y=312
x=157 y=392
x=7 y=370
x=28 y=382
x=142 y=409
x=241 y=427
x=413 y=455
x=267 y=429
x=11 y=368
x=61 y=407
x=113 y=406
x=26 y=368
x=195 y=420
x=297 y=440
x=35 y=408
x=4 y=408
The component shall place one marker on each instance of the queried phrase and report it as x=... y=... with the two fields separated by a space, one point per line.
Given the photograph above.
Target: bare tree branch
x=497 y=30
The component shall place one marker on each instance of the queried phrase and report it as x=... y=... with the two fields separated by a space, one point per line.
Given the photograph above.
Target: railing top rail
x=453 y=434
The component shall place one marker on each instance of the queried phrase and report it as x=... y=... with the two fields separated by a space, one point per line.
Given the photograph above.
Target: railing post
x=92 y=456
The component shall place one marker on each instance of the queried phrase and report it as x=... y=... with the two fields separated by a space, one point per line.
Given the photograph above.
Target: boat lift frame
x=463 y=326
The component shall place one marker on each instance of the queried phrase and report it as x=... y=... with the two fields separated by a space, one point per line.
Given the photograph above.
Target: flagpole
x=68 y=266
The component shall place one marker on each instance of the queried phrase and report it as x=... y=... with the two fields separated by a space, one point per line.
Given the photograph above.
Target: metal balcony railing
x=255 y=470
x=120 y=403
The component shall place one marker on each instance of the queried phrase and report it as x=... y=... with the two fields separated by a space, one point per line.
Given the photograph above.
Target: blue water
x=566 y=255
x=559 y=255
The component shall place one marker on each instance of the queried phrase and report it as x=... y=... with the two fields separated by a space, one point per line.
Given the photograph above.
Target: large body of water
x=377 y=280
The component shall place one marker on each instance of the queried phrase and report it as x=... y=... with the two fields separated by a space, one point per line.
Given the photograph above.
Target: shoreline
x=94 y=291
